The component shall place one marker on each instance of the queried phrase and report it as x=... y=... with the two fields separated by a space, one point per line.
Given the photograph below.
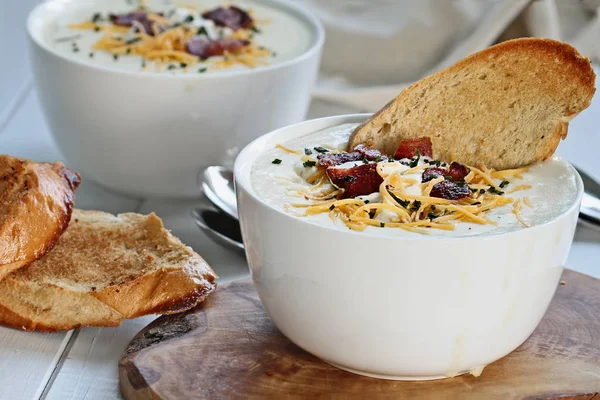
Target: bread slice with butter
x=505 y=107
x=36 y=201
x=104 y=269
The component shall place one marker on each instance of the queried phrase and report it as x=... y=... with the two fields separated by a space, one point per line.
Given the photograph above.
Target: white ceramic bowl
x=150 y=134
x=418 y=308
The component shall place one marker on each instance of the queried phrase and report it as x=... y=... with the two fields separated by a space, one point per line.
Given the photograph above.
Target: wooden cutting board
x=228 y=348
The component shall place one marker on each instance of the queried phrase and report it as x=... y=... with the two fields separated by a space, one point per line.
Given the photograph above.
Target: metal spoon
x=590 y=204
x=220 y=227
x=217 y=183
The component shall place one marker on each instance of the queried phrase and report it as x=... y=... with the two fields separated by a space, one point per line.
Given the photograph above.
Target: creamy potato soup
x=177 y=37
x=314 y=178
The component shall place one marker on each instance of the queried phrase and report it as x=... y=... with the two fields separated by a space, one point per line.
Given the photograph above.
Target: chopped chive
x=96 y=17
x=331 y=208
x=254 y=29
x=188 y=19
x=182 y=65
x=133 y=40
x=309 y=164
x=415 y=161
x=276 y=161
x=115 y=57
x=308 y=152
x=349 y=178
x=91 y=55
x=128 y=51
x=403 y=203
x=202 y=70
x=202 y=31
x=504 y=183
x=321 y=149
x=171 y=66
x=431 y=215
x=96 y=28
x=381 y=224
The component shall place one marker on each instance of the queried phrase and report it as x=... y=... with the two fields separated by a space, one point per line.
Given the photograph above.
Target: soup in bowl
x=140 y=98
x=400 y=266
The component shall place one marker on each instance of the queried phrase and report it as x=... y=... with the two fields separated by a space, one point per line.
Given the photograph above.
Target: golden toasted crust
x=506 y=106
x=36 y=201
x=106 y=268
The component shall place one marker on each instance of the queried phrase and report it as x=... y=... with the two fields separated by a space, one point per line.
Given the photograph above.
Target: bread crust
x=518 y=73
x=36 y=202
x=104 y=269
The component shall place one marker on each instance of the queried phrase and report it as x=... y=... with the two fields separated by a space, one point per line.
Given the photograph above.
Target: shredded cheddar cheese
x=167 y=43
x=400 y=206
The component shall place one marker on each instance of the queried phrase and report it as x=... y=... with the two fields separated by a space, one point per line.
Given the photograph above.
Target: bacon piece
x=432 y=173
x=139 y=16
x=457 y=171
x=231 y=17
x=408 y=148
x=450 y=190
x=369 y=153
x=356 y=181
x=332 y=159
x=205 y=48
x=360 y=153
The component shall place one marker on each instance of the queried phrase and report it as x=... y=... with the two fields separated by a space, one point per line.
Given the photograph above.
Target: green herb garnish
x=481 y=191
x=96 y=28
x=403 y=203
x=96 y=17
x=133 y=40
x=308 y=152
x=276 y=161
x=415 y=161
x=493 y=190
x=431 y=215
x=349 y=179
x=321 y=150
x=202 y=70
x=309 y=164
x=331 y=207
x=188 y=19
x=183 y=65
x=202 y=31
x=415 y=205
x=382 y=224
x=254 y=29
x=91 y=55
x=504 y=183
x=171 y=66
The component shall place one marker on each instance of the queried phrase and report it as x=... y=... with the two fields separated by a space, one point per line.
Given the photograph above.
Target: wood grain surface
x=228 y=348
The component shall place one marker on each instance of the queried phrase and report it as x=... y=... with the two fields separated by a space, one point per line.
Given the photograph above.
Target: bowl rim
x=294 y=9
x=249 y=154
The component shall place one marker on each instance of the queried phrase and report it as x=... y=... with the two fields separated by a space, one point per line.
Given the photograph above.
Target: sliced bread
x=505 y=107
x=36 y=200
x=104 y=269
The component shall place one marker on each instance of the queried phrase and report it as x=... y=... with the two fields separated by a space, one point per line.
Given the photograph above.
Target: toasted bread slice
x=105 y=268
x=505 y=107
x=36 y=200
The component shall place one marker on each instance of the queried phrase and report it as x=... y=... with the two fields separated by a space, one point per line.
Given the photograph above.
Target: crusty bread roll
x=104 y=269
x=505 y=107
x=36 y=200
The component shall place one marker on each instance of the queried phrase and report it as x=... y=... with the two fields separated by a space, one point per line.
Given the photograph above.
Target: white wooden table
x=83 y=364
